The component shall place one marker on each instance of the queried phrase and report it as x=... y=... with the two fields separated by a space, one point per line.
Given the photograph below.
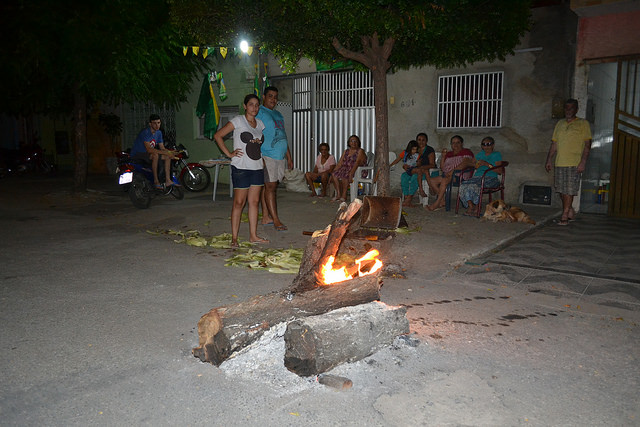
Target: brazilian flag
x=208 y=108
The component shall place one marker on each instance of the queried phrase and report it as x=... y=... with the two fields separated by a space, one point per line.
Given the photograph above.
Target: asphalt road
x=99 y=318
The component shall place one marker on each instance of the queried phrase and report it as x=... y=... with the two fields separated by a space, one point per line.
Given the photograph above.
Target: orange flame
x=331 y=275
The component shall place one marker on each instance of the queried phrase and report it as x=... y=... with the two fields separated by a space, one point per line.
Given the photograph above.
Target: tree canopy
x=381 y=35
x=59 y=56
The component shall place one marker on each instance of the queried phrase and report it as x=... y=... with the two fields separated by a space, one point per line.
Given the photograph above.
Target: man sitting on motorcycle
x=149 y=146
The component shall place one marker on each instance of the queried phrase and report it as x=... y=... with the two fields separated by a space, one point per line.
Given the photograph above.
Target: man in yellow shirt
x=570 y=144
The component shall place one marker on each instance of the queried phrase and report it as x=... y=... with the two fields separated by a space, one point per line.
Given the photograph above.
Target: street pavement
x=516 y=325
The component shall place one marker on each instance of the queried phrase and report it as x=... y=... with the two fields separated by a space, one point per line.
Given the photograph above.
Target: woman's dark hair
x=459 y=137
x=249 y=97
x=422 y=134
x=356 y=137
x=323 y=144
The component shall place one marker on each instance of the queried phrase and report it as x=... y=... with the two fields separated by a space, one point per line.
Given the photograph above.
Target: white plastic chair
x=367 y=182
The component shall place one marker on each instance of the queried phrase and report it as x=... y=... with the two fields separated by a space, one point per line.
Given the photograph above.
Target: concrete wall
x=536 y=82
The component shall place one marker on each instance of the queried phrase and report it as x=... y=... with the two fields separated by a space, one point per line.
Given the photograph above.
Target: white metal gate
x=329 y=107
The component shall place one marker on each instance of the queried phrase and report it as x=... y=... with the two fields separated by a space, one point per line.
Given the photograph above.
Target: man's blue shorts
x=245 y=178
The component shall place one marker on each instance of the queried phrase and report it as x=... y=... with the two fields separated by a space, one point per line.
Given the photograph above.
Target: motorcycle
x=29 y=158
x=136 y=177
x=193 y=176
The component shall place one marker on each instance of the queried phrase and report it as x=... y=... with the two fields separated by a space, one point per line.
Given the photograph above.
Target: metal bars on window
x=470 y=100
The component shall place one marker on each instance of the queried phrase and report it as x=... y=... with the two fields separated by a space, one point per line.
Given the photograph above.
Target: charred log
x=225 y=330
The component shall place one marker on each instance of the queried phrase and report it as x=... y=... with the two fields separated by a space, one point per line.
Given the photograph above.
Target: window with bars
x=226 y=114
x=470 y=100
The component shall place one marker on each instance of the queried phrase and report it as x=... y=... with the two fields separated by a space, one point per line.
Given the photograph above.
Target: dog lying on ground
x=498 y=211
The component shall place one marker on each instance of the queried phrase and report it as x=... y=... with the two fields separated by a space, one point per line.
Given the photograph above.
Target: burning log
x=323 y=246
x=319 y=343
x=225 y=330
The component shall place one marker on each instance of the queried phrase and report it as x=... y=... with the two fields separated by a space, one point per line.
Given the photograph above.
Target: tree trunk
x=80 y=141
x=319 y=343
x=376 y=57
x=225 y=330
x=379 y=75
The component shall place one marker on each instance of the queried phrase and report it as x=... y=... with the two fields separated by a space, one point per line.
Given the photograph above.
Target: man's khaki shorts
x=273 y=169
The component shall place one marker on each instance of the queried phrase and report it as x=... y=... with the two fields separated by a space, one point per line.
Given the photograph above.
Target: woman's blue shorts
x=245 y=178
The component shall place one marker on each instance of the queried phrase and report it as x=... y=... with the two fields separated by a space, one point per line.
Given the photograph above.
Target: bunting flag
x=208 y=108
x=223 y=88
x=223 y=52
x=249 y=50
x=195 y=49
x=256 y=83
x=185 y=49
x=205 y=52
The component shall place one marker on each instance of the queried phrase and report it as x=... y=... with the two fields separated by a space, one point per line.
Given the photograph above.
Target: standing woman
x=246 y=166
x=351 y=159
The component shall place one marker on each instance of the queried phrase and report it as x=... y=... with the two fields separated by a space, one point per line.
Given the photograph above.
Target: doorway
x=600 y=112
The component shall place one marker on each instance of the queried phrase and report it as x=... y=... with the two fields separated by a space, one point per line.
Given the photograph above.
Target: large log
x=225 y=330
x=318 y=251
x=319 y=343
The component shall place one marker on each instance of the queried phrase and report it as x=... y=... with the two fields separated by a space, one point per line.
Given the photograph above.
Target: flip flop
x=268 y=223
x=563 y=222
x=259 y=241
x=159 y=186
x=281 y=227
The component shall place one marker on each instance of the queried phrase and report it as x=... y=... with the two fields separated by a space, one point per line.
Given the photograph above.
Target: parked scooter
x=193 y=176
x=136 y=177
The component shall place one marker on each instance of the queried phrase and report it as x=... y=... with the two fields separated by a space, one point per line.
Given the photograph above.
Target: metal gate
x=329 y=107
x=136 y=117
x=624 y=191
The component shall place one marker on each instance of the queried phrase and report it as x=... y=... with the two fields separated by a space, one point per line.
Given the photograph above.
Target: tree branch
x=349 y=54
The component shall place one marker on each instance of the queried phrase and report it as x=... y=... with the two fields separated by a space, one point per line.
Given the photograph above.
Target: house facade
x=583 y=49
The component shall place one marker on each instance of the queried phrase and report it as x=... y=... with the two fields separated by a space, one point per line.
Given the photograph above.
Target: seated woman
x=408 y=180
x=470 y=189
x=351 y=159
x=458 y=158
x=325 y=163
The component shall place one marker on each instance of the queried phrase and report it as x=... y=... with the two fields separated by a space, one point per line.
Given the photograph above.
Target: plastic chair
x=455 y=182
x=487 y=190
x=364 y=175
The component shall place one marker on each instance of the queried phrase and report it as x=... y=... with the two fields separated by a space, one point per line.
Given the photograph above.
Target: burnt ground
x=511 y=324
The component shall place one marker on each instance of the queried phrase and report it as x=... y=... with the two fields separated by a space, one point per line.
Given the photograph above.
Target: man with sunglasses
x=570 y=145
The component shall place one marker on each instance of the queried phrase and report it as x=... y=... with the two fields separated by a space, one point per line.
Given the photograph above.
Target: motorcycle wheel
x=177 y=192
x=139 y=192
x=195 y=179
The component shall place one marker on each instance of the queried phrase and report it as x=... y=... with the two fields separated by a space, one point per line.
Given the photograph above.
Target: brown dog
x=498 y=211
